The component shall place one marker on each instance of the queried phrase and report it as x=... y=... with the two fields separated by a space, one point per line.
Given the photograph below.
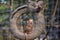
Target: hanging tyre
x=38 y=29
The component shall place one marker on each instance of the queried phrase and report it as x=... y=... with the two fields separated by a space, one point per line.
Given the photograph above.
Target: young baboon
x=29 y=26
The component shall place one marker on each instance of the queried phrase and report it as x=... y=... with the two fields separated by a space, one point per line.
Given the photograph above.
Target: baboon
x=29 y=26
x=35 y=6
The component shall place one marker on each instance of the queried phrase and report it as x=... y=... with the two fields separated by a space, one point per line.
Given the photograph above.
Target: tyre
x=38 y=29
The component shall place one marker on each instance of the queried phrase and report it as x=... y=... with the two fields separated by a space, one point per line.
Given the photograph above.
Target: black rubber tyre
x=40 y=24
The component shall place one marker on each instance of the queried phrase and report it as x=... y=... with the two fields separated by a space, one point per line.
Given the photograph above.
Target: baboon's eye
x=32 y=4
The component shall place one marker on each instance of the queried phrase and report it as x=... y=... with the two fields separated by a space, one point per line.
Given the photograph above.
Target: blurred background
x=5 y=12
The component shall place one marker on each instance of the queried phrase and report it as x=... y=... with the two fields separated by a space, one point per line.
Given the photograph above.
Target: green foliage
x=3 y=7
x=1 y=38
x=0 y=18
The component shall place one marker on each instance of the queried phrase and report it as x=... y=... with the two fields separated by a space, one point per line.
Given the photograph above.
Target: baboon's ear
x=44 y=6
x=29 y=0
x=40 y=3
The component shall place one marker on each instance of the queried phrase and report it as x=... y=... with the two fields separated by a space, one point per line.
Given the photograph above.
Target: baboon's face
x=29 y=25
x=35 y=5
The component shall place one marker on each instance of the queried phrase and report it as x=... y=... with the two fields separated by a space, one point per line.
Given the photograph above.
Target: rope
x=54 y=13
